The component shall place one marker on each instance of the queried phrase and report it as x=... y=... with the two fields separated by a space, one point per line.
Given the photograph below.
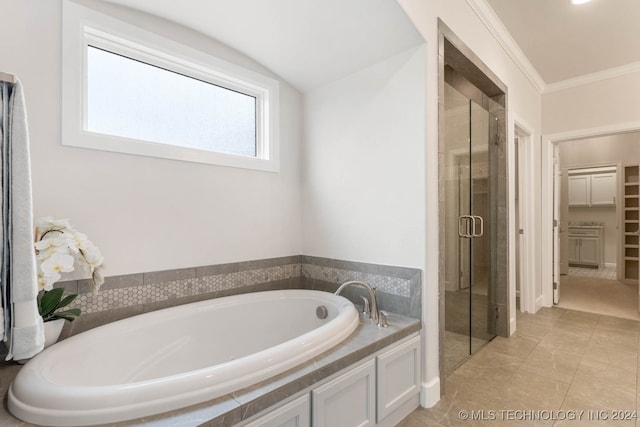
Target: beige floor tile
x=617 y=323
x=608 y=297
x=559 y=360
x=535 y=327
x=487 y=364
x=575 y=343
x=604 y=386
x=577 y=321
x=616 y=337
x=619 y=357
x=552 y=363
x=535 y=392
x=587 y=318
x=517 y=346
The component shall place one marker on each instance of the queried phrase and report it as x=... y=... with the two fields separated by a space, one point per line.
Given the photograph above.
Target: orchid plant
x=58 y=245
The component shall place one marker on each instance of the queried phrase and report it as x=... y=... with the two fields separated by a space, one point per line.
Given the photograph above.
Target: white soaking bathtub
x=176 y=357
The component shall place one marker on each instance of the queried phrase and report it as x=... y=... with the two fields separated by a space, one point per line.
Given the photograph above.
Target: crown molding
x=495 y=26
x=490 y=20
x=634 y=67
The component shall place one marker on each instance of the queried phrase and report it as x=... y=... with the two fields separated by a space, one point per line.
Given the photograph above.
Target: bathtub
x=176 y=357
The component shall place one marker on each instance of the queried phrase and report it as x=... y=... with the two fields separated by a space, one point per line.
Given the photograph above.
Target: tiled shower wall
x=398 y=288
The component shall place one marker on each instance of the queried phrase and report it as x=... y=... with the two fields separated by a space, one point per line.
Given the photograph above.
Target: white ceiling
x=564 y=41
x=306 y=42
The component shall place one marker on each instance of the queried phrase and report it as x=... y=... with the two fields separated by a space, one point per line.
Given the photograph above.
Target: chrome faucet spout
x=373 y=313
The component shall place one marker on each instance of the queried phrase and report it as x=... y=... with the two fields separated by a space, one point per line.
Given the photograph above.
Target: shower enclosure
x=473 y=214
x=468 y=283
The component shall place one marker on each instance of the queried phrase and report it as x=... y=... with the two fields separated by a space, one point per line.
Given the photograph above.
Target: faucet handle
x=382 y=319
x=365 y=307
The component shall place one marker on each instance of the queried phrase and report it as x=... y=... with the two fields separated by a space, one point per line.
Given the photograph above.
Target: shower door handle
x=481 y=228
x=466 y=226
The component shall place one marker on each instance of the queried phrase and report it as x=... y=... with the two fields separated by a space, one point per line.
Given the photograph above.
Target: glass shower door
x=467 y=230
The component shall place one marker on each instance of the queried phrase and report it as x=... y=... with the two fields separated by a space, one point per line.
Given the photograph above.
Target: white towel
x=26 y=337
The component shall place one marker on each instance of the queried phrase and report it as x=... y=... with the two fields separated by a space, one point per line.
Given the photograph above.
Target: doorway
x=597 y=218
x=474 y=294
x=627 y=225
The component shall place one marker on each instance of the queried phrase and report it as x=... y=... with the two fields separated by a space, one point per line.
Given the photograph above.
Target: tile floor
x=559 y=364
x=457 y=349
x=601 y=296
x=609 y=273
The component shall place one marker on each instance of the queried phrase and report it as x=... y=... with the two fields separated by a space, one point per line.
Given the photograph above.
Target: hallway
x=559 y=361
x=598 y=295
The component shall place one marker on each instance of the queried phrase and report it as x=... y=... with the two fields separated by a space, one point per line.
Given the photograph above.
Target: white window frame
x=83 y=26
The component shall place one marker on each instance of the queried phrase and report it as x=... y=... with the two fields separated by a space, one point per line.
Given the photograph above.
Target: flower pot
x=52 y=330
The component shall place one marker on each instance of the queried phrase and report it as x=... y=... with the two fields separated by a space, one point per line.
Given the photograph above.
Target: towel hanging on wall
x=23 y=327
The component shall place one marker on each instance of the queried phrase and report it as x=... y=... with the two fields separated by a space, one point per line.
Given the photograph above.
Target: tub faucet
x=374 y=313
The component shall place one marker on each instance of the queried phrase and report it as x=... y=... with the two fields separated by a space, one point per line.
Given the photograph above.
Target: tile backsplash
x=398 y=288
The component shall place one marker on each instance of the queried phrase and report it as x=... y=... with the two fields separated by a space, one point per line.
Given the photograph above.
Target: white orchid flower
x=81 y=241
x=48 y=222
x=58 y=240
x=56 y=264
x=42 y=283
x=93 y=256
x=57 y=248
x=48 y=281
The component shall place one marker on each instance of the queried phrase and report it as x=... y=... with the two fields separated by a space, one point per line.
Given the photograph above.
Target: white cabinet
x=592 y=189
x=579 y=189
x=574 y=250
x=378 y=392
x=603 y=189
x=347 y=401
x=396 y=375
x=586 y=246
x=293 y=414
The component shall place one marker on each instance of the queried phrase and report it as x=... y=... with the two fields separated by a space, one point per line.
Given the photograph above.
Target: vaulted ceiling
x=306 y=42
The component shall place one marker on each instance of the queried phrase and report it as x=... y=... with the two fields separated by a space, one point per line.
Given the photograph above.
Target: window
x=131 y=91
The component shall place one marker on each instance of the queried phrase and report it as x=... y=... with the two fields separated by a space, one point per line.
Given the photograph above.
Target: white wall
x=363 y=168
x=144 y=213
x=524 y=102
x=592 y=105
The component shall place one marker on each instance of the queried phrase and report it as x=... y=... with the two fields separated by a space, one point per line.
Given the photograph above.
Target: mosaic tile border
x=392 y=285
x=159 y=289
x=156 y=292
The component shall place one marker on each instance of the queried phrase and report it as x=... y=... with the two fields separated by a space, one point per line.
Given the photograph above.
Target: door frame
x=526 y=156
x=546 y=191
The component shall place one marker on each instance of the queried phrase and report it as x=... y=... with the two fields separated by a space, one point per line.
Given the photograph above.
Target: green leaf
x=69 y=315
x=50 y=301
x=67 y=300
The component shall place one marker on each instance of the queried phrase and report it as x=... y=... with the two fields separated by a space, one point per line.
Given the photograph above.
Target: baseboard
x=610 y=264
x=539 y=303
x=512 y=326
x=430 y=393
